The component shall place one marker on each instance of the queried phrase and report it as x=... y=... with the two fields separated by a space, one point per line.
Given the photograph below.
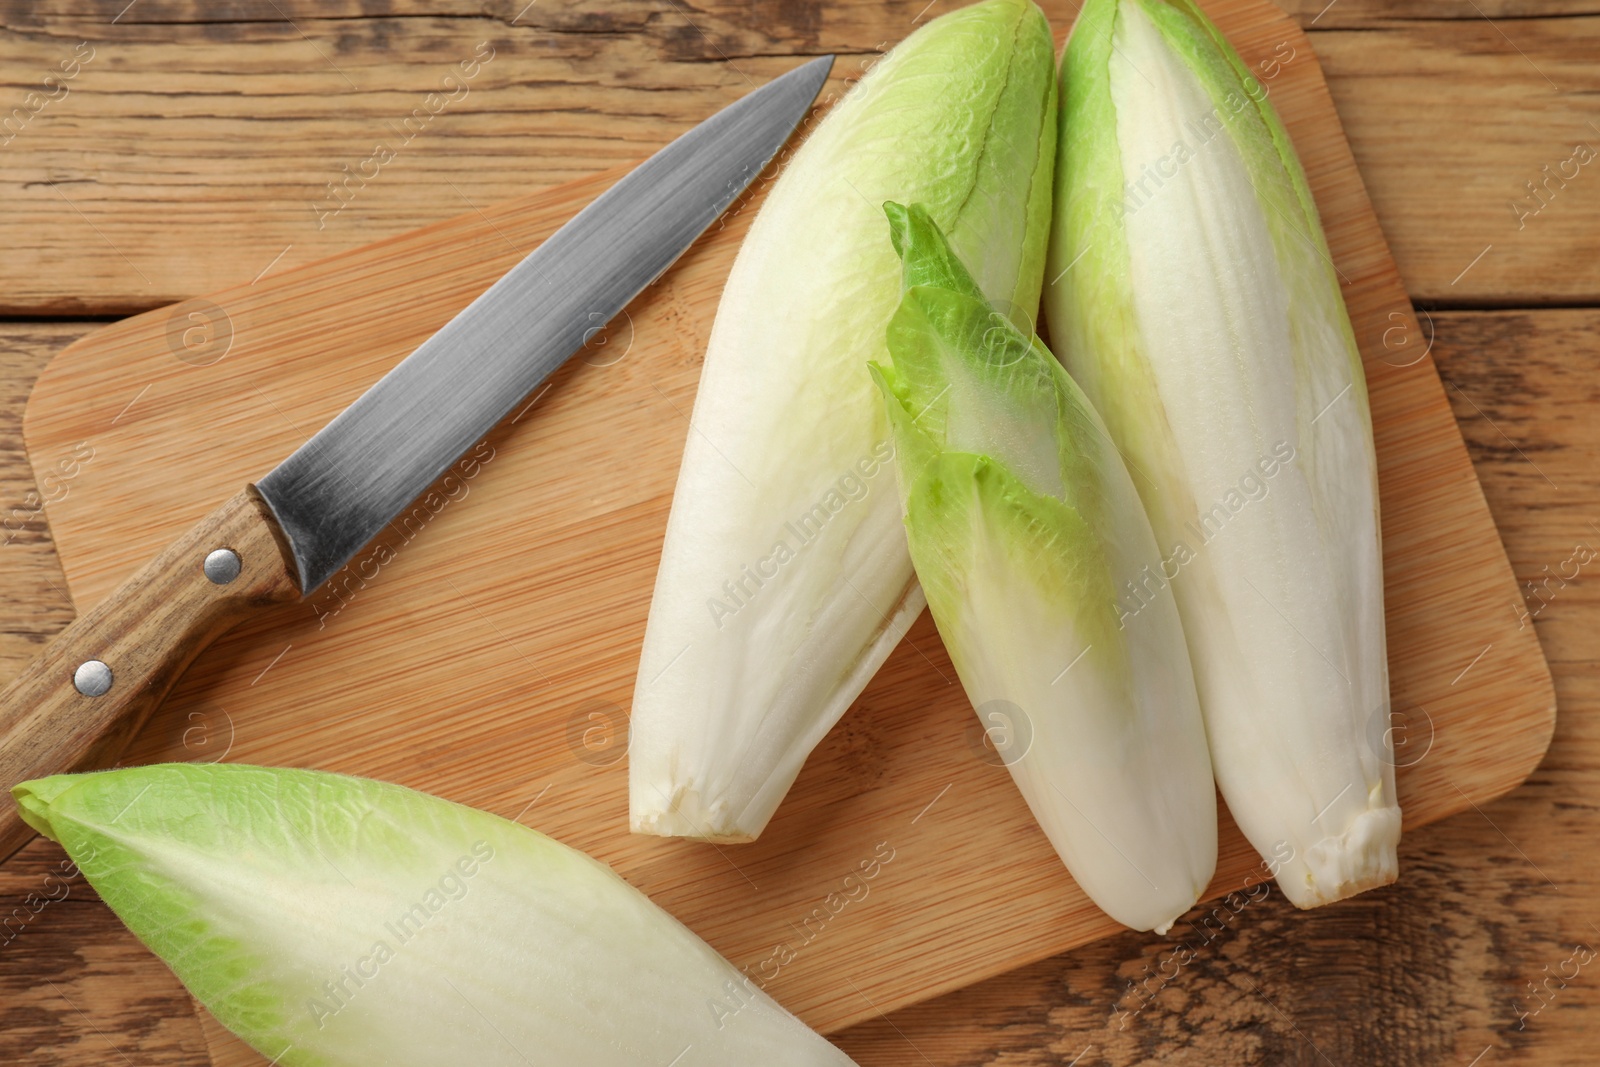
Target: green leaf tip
x=35 y=800
x=926 y=258
x=968 y=378
x=1025 y=526
x=988 y=429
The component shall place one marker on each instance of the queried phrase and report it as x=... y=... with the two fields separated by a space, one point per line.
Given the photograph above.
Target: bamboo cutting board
x=491 y=659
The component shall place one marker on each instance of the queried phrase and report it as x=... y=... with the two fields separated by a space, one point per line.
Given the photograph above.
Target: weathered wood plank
x=1479 y=152
x=76 y=988
x=34 y=587
x=1323 y=15
x=194 y=145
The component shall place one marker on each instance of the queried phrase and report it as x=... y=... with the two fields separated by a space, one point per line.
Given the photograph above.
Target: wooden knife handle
x=145 y=633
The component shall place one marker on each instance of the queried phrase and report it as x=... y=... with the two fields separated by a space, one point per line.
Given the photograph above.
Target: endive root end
x=689 y=815
x=1364 y=857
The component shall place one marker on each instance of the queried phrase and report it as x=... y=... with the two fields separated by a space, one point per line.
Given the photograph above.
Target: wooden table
x=192 y=145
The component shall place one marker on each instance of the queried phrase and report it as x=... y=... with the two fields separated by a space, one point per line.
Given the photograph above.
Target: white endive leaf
x=784 y=579
x=1023 y=525
x=341 y=922
x=1197 y=306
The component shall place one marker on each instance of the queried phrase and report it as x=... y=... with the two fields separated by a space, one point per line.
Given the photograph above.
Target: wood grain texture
x=1385 y=14
x=517 y=613
x=29 y=571
x=194 y=150
x=76 y=988
x=147 y=631
x=1469 y=167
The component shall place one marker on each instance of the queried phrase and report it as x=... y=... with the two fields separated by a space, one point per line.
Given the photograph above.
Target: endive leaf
x=341 y=922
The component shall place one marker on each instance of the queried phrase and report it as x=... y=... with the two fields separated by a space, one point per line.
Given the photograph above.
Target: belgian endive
x=784 y=580
x=1023 y=524
x=341 y=922
x=1194 y=300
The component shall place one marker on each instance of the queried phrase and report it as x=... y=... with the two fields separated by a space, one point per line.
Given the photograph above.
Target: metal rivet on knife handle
x=92 y=678
x=66 y=711
x=222 y=566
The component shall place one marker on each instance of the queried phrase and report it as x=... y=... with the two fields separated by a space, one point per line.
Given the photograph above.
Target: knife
x=77 y=704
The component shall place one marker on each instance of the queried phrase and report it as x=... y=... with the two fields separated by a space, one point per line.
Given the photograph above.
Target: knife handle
x=144 y=634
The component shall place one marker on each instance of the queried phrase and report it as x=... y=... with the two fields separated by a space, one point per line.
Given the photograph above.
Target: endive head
x=1007 y=53
x=342 y=922
x=1023 y=524
x=961 y=116
x=1170 y=45
x=735 y=686
x=1194 y=299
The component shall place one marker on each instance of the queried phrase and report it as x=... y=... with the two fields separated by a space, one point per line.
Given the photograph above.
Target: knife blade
x=75 y=706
